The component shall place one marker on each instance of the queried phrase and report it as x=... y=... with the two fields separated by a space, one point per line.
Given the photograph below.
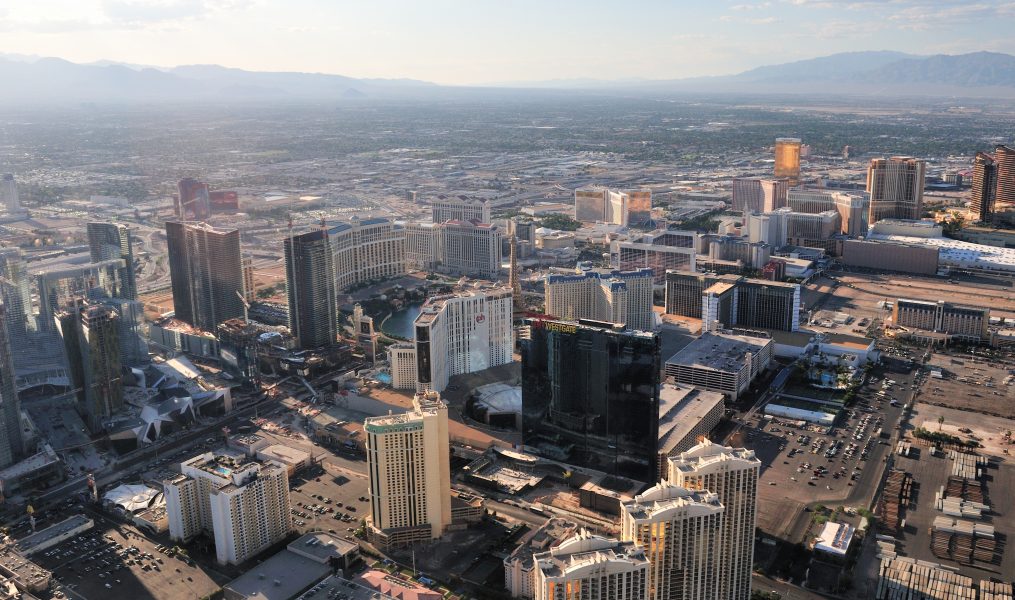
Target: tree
x=560 y=222
x=940 y=422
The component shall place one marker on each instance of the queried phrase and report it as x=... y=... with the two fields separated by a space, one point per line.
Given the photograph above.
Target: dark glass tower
x=590 y=395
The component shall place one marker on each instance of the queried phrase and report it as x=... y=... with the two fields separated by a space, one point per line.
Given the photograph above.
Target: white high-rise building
x=597 y=204
x=591 y=567
x=731 y=474
x=470 y=248
x=603 y=295
x=462 y=333
x=9 y=194
x=402 y=361
x=460 y=208
x=408 y=461
x=241 y=502
x=366 y=250
x=421 y=247
x=678 y=529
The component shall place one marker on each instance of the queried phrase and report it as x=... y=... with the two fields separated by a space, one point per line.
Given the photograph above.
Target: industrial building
x=722 y=362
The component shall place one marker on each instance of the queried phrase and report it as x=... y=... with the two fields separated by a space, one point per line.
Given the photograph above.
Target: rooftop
x=321 y=546
x=681 y=408
x=27 y=544
x=281 y=577
x=664 y=499
x=834 y=538
x=719 y=351
x=708 y=454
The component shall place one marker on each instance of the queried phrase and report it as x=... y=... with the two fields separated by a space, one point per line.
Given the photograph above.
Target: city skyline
x=478 y=44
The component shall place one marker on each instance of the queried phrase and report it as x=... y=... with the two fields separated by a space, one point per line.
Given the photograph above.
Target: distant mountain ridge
x=32 y=80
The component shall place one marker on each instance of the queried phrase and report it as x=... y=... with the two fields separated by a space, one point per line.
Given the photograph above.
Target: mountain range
x=33 y=80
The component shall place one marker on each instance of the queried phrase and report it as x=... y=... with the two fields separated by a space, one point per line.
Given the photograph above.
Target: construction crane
x=246 y=306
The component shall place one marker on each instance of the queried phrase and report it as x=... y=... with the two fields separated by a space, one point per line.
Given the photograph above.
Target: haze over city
x=452 y=300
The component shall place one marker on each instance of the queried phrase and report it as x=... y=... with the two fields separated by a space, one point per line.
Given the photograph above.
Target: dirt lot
x=972 y=383
x=988 y=430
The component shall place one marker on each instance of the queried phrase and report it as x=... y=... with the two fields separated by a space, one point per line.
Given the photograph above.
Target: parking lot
x=114 y=560
x=805 y=465
x=329 y=498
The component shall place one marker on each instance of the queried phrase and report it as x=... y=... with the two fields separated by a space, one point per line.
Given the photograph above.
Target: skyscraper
x=9 y=194
x=91 y=339
x=853 y=207
x=462 y=333
x=12 y=444
x=242 y=503
x=15 y=291
x=310 y=289
x=206 y=271
x=409 y=468
x=614 y=296
x=895 y=186
x=107 y=241
x=1005 y=158
x=596 y=204
x=678 y=529
x=759 y=195
x=752 y=302
x=192 y=201
x=366 y=250
x=983 y=192
x=732 y=475
x=470 y=248
x=639 y=208
x=591 y=567
x=787 y=159
x=590 y=395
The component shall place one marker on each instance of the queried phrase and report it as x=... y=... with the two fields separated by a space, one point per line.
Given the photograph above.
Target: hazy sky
x=480 y=41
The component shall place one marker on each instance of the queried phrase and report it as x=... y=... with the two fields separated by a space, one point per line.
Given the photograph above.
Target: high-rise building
x=787 y=159
x=366 y=250
x=983 y=193
x=9 y=194
x=470 y=248
x=130 y=330
x=1005 y=158
x=968 y=323
x=460 y=208
x=590 y=395
x=732 y=475
x=408 y=462
x=623 y=297
x=247 y=263
x=462 y=333
x=107 y=241
x=16 y=293
x=591 y=567
x=659 y=251
x=402 y=361
x=241 y=502
x=895 y=186
x=422 y=246
x=853 y=207
x=91 y=337
x=596 y=204
x=639 y=208
x=12 y=443
x=192 y=201
x=759 y=195
x=310 y=289
x=679 y=530
x=206 y=271
x=807 y=227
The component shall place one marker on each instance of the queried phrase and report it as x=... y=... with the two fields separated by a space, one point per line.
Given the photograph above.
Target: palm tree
x=940 y=422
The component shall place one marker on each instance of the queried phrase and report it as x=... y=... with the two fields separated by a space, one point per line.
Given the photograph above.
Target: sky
x=465 y=42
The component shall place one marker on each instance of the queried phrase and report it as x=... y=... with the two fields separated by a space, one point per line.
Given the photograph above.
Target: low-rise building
x=686 y=414
x=724 y=362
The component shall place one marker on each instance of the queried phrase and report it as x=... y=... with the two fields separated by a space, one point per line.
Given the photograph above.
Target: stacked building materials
x=969 y=466
x=903 y=448
x=963 y=541
x=967 y=489
x=995 y=590
x=955 y=506
x=894 y=497
x=902 y=578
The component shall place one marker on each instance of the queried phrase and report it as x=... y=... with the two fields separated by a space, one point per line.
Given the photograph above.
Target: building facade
x=732 y=475
x=402 y=361
x=853 y=208
x=462 y=333
x=9 y=194
x=408 y=464
x=243 y=503
x=12 y=443
x=91 y=337
x=751 y=194
x=614 y=296
x=366 y=250
x=749 y=302
x=590 y=395
x=967 y=323
x=310 y=289
x=659 y=251
x=458 y=208
x=108 y=241
x=205 y=268
x=591 y=567
x=787 y=158
x=895 y=186
x=597 y=204
x=678 y=529
x=421 y=246
x=470 y=248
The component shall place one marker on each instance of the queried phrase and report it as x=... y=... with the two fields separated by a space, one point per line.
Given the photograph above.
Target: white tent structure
x=132 y=498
